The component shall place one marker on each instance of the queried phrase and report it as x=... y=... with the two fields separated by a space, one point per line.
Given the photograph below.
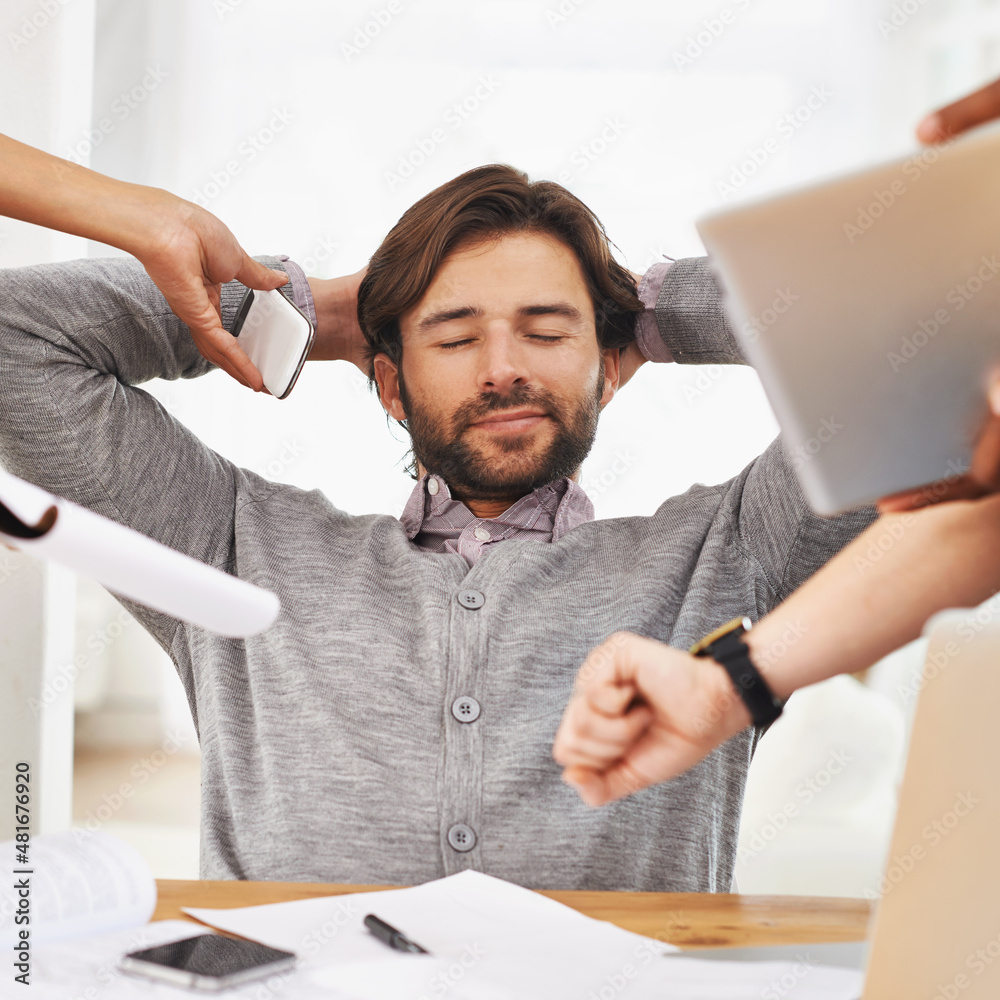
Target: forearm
x=104 y=316
x=877 y=593
x=52 y=192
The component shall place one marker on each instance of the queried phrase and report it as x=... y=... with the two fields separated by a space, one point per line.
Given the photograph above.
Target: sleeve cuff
x=301 y=293
x=647 y=333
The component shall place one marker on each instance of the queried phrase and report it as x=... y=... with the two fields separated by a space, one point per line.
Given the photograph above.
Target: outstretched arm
x=187 y=251
x=643 y=712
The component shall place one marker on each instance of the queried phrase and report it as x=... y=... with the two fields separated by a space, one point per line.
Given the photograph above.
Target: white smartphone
x=276 y=335
x=208 y=962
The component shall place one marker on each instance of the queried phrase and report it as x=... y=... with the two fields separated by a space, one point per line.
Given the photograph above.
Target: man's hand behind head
x=338 y=332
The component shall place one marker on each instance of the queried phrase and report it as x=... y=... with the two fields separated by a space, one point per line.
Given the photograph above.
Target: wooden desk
x=691 y=920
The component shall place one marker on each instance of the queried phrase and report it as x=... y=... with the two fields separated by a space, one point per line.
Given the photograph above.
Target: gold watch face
x=731 y=626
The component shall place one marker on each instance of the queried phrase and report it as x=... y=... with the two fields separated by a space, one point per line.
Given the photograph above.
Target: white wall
x=45 y=77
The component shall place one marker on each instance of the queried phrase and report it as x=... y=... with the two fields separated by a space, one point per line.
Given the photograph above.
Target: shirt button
x=465 y=709
x=471 y=599
x=482 y=534
x=433 y=486
x=461 y=837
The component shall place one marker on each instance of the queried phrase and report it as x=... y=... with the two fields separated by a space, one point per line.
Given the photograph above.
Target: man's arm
x=76 y=339
x=773 y=521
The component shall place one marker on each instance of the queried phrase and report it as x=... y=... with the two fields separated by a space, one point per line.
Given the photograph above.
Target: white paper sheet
x=134 y=566
x=490 y=941
x=495 y=940
x=87 y=969
x=79 y=883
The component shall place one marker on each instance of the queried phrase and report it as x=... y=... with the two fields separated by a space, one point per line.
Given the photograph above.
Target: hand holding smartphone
x=276 y=335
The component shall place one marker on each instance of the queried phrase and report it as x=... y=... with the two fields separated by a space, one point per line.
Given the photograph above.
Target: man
x=395 y=725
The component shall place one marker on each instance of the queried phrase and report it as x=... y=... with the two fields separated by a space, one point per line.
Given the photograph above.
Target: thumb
x=253 y=274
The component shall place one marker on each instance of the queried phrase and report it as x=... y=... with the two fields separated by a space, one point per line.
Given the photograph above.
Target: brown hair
x=481 y=204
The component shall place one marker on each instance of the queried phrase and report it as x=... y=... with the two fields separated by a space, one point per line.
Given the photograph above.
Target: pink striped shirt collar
x=434 y=521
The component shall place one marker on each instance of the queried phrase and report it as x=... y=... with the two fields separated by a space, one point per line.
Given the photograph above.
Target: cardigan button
x=462 y=838
x=471 y=599
x=465 y=709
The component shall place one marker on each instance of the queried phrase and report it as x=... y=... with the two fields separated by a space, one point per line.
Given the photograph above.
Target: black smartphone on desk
x=208 y=962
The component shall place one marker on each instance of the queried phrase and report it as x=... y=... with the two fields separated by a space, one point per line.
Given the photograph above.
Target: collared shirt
x=436 y=522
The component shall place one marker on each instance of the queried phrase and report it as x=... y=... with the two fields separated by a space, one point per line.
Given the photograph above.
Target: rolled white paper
x=134 y=566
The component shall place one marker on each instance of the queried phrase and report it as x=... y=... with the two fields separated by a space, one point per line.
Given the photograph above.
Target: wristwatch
x=727 y=648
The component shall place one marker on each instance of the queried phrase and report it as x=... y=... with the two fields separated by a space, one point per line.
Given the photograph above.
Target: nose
x=502 y=363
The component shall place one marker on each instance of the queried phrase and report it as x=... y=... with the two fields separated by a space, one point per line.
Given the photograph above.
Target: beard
x=480 y=474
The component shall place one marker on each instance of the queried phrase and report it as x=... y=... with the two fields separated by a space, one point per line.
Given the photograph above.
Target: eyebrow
x=465 y=312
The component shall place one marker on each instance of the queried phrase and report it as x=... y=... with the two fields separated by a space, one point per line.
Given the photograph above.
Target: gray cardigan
x=330 y=751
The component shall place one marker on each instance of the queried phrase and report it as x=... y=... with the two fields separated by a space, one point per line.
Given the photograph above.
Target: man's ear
x=612 y=371
x=387 y=378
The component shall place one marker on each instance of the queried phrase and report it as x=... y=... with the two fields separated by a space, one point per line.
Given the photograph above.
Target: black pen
x=388 y=934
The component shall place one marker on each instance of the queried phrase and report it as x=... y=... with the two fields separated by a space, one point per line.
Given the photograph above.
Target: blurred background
x=309 y=127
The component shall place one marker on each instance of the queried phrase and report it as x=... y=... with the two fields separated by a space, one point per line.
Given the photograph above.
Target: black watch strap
x=726 y=646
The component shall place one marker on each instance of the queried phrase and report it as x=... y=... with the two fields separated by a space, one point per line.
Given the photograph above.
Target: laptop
x=870 y=307
x=936 y=932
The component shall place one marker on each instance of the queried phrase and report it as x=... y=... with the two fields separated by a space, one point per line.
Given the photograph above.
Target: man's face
x=502 y=379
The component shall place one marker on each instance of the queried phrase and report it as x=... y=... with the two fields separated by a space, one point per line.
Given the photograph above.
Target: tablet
x=870 y=307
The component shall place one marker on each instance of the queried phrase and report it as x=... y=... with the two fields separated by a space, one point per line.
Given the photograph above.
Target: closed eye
x=534 y=336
